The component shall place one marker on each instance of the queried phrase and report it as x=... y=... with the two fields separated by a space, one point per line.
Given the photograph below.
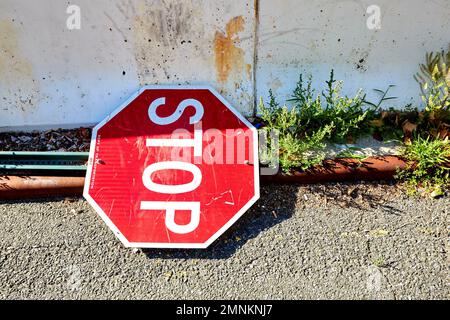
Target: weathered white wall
x=51 y=76
x=312 y=37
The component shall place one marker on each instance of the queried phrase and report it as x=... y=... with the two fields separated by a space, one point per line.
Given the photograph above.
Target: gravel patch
x=331 y=241
x=51 y=140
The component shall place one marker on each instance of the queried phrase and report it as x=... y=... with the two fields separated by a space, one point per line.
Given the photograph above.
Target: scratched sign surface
x=173 y=167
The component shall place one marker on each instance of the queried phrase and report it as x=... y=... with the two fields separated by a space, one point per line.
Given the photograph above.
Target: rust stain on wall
x=18 y=87
x=249 y=68
x=229 y=58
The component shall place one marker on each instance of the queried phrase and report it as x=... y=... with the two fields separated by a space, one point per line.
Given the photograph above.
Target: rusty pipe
x=338 y=170
x=23 y=187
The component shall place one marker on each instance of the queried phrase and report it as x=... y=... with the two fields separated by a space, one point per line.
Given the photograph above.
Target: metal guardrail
x=69 y=163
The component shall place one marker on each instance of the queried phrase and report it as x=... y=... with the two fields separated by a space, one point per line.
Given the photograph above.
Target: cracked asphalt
x=331 y=241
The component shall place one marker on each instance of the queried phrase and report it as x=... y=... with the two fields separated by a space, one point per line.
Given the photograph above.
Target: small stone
x=437 y=193
x=25 y=138
x=352 y=192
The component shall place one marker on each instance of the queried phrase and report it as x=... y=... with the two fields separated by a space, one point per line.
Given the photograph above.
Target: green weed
x=315 y=119
x=347 y=117
x=428 y=165
x=434 y=80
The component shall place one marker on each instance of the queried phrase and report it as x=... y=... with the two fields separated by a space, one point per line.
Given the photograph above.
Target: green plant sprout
x=428 y=165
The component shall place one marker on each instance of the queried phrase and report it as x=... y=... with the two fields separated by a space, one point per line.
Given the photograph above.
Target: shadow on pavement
x=276 y=204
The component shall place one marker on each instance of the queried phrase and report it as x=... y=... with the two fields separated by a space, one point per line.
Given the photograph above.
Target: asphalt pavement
x=334 y=241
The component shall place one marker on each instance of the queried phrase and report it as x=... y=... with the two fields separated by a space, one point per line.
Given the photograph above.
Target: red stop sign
x=173 y=167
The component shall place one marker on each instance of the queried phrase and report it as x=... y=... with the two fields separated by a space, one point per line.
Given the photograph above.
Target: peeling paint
x=229 y=58
x=18 y=86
